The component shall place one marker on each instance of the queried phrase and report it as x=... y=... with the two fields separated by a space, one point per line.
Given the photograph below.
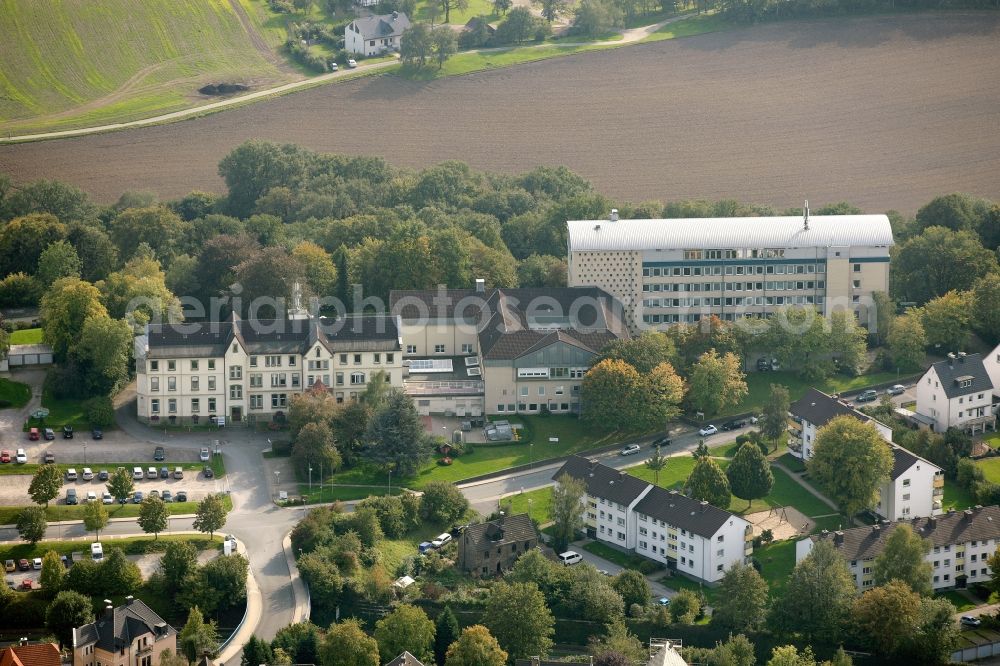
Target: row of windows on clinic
x=532 y=407
x=771 y=269
x=685 y=561
x=275 y=361
x=558 y=390
x=278 y=401
x=467 y=348
x=696 y=317
x=278 y=380
x=731 y=301
x=778 y=285
x=738 y=253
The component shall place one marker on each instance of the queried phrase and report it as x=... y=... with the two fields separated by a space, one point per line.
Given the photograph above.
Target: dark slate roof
x=508 y=529
x=695 y=516
x=603 y=481
x=405 y=659
x=372 y=27
x=950 y=373
x=954 y=527
x=819 y=408
x=902 y=460
x=273 y=336
x=121 y=626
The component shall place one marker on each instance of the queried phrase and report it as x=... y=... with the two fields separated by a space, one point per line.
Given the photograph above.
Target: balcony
x=453 y=387
x=939 y=480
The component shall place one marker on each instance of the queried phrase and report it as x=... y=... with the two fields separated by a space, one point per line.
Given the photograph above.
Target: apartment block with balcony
x=248 y=370
x=502 y=351
x=957 y=393
x=128 y=635
x=682 y=270
x=689 y=536
x=961 y=543
x=915 y=486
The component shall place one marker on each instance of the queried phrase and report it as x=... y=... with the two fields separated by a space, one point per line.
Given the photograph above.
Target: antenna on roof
x=805 y=214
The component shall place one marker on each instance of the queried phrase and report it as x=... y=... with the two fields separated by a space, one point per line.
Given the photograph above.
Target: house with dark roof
x=689 y=536
x=130 y=635
x=405 y=659
x=502 y=351
x=375 y=35
x=240 y=370
x=957 y=393
x=915 y=486
x=493 y=547
x=961 y=543
x=31 y=654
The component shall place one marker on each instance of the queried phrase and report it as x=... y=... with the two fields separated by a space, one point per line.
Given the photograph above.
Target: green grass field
x=693 y=25
x=428 y=9
x=26 y=550
x=991 y=469
x=8 y=514
x=67 y=64
x=26 y=336
x=16 y=393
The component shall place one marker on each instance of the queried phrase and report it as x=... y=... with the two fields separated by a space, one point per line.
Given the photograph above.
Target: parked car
x=49 y=434
x=91 y=496
x=775 y=365
x=5 y=456
x=67 y=432
x=164 y=473
x=97 y=551
x=23 y=564
x=158 y=454
x=424 y=547
x=151 y=473
x=708 y=430
x=970 y=621
x=441 y=540
x=178 y=473
x=154 y=493
x=33 y=434
x=896 y=389
x=71 y=499
x=21 y=456
x=106 y=498
x=167 y=496
x=735 y=424
x=28 y=584
x=88 y=474
x=629 y=450
x=207 y=471
x=9 y=566
x=137 y=474
x=352 y=63
x=204 y=456
x=137 y=497
x=334 y=67
x=663 y=601
x=48 y=458
x=103 y=475
x=763 y=365
x=570 y=557
x=97 y=433
x=36 y=564
x=662 y=441
x=867 y=396
x=181 y=496
x=71 y=474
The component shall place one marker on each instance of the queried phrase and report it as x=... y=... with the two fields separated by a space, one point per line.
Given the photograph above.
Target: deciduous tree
x=551 y=8
x=566 y=510
x=643 y=352
x=256 y=652
x=118 y=574
x=611 y=394
x=24 y=239
x=153 y=516
x=95 y=518
x=716 y=382
x=476 y=647
x=685 y=607
x=103 y=353
x=120 y=484
x=406 y=628
x=632 y=586
x=66 y=612
x=443 y=503
x=320 y=271
x=53 y=573
x=58 y=260
x=743 y=602
x=415 y=45
x=211 y=516
x=45 y=484
x=887 y=617
x=346 y=644
x=313 y=447
x=850 y=463
x=157 y=226
x=179 y=559
x=774 y=421
x=902 y=559
x=396 y=437
x=708 y=482
x=31 y=524
x=818 y=597
x=947 y=321
x=923 y=267
x=986 y=307
x=907 y=340
x=517 y=616
x=197 y=637
x=749 y=474
x=254 y=167
x=656 y=463
x=65 y=309
x=444 y=44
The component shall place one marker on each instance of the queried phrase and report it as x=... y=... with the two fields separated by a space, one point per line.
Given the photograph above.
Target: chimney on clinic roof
x=480 y=286
x=805 y=215
x=614 y=215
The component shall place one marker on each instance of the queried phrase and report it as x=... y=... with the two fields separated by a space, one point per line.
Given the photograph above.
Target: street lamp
x=390 y=482
x=310 y=478
x=277 y=482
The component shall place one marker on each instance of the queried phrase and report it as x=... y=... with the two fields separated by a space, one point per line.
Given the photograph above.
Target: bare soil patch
x=784 y=522
x=885 y=112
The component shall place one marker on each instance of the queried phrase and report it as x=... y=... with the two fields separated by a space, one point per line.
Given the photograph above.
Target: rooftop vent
x=805 y=215
x=838 y=537
x=614 y=215
x=480 y=285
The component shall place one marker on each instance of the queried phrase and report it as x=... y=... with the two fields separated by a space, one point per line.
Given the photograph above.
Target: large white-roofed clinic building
x=672 y=271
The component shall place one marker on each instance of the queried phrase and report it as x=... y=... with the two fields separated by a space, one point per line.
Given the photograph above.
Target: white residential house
x=689 y=536
x=375 y=35
x=992 y=363
x=961 y=543
x=957 y=393
x=915 y=486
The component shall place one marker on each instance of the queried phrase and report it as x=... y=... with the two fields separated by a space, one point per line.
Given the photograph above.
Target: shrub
x=281 y=6
x=281 y=447
x=100 y=412
x=648 y=567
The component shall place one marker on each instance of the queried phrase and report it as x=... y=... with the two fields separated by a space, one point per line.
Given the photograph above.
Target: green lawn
x=8 y=514
x=573 y=436
x=537 y=503
x=428 y=9
x=16 y=393
x=59 y=72
x=991 y=469
x=776 y=561
x=961 y=601
x=67 y=411
x=992 y=440
x=624 y=560
x=128 y=544
x=694 y=25
x=26 y=336
x=679 y=582
x=955 y=496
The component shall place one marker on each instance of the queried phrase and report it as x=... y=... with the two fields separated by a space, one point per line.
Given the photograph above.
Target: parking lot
x=14 y=487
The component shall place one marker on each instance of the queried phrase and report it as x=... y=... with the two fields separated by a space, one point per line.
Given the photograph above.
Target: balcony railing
x=456 y=387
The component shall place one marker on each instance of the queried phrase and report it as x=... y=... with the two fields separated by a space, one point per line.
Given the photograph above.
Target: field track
x=885 y=112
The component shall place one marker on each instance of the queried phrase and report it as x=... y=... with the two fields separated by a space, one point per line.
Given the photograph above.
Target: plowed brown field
x=885 y=112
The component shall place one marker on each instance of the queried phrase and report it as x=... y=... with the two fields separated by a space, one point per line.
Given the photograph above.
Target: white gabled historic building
x=957 y=393
x=915 y=486
x=249 y=369
x=961 y=542
x=680 y=270
x=694 y=538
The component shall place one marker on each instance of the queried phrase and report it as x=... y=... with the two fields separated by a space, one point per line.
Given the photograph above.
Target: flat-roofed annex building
x=670 y=271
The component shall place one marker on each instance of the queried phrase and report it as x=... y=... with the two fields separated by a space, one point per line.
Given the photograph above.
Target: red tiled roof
x=37 y=654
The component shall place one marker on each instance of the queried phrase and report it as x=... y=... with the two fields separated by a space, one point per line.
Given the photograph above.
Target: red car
x=27 y=584
x=4 y=456
x=33 y=434
x=24 y=565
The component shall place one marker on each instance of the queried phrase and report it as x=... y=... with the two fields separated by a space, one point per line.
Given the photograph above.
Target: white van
x=570 y=557
x=97 y=551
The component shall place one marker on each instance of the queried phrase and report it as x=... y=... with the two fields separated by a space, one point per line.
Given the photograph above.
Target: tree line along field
x=77 y=63
x=885 y=112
